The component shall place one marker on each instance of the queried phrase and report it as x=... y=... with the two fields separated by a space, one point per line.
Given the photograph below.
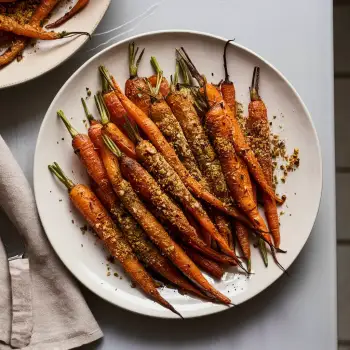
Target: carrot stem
x=263 y=251
x=73 y=132
x=112 y=146
x=254 y=89
x=102 y=109
x=227 y=77
x=58 y=172
x=88 y=115
x=191 y=67
x=156 y=66
x=134 y=61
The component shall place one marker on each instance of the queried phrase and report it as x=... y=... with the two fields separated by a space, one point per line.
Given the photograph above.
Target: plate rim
x=206 y=312
x=25 y=80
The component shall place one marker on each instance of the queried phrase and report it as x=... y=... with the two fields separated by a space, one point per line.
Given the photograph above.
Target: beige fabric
x=61 y=318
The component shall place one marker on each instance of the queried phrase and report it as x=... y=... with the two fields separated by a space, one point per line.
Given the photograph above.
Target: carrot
x=123 y=142
x=154 y=229
x=116 y=110
x=219 y=126
x=145 y=185
x=207 y=265
x=136 y=88
x=96 y=215
x=156 y=137
x=164 y=88
x=241 y=146
x=74 y=10
x=18 y=45
x=10 y=25
x=170 y=182
x=165 y=120
x=259 y=130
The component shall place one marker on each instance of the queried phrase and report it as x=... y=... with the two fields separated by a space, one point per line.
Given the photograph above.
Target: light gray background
x=298 y=312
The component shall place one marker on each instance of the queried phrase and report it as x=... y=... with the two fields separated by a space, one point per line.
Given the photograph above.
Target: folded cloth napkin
x=58 y=318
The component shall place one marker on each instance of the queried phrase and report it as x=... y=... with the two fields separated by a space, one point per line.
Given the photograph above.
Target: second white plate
x=85 y=258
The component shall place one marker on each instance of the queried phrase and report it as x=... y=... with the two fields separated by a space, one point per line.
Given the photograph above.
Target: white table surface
x=298 y=312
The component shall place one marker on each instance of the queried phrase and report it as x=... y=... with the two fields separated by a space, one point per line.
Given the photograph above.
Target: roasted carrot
x=10 y=25
x=74 y=10
x=116 y=110
x=96 y=215
x=171 y=183
x=136 y=88
x=154 y=229
x=164 y=87
x=123 y=142
x=159 y=141
x=242 y=148
x=219 y=126
x=259 y=137
x=165 y=120
x=146 y=186
x=18 y=45
x=206 y=264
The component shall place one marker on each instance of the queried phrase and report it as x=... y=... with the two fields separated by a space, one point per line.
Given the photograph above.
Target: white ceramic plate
x=46 y=55
x=86 y=259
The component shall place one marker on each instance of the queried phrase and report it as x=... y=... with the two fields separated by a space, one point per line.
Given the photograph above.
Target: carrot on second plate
x=154 y=229
x=96 y=215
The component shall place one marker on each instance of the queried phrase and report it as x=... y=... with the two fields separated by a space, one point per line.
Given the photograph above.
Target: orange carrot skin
x=137 y=91
x=154 y=229
x=164 y=88
x=97 y=217
x=219 y=126
x=207 y=265
x=42 y=11
x=122 y=141
x=116 y=110
x=76 y=8
x=258 y=125
x=228 y=92
x=158 y=140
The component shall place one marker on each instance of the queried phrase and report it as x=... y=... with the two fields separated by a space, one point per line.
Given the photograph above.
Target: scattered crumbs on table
x=60 y=200
x=108 y=273
x=116 y=289
x=62 y=138
x=115 y=274
x=212 y=74
x=50 y=191
x=290 y=214
x=120 y=277
x=133 y=285
x=82 y=245
x=72 y=221
x=83 y=229
x=58 y=143
x=282 y=213
x=274 y=117
x=295 y=193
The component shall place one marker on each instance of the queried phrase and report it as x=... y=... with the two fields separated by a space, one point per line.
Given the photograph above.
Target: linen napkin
x=59 y=317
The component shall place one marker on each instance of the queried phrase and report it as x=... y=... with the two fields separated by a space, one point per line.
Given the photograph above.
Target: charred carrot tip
x=65 y=34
